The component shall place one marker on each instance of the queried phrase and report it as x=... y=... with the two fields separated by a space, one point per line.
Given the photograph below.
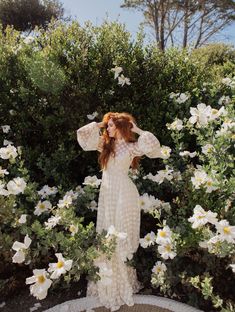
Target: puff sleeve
x=147 y=144
x=89 y=137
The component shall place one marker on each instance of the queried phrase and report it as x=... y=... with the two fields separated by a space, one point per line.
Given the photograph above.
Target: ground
x=22 y=300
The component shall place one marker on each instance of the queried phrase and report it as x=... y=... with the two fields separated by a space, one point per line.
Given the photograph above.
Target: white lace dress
x=118 y=205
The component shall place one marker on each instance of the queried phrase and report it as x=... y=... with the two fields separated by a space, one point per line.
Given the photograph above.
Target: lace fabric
x=118 y=205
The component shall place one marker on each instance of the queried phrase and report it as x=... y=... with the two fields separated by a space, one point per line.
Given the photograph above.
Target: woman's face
x=111 y=128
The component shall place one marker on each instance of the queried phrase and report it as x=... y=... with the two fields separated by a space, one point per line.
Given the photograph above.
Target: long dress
x=118 y=205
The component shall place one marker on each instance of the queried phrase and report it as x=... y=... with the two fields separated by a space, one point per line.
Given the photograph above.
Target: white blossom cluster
x=229 y=82
x=149 y=203
x=165 y=241
x=179 y=97
x=92 y=181
x=158 y=273
x=224 y=231
x=203 y=114
x=122 y=80
x=16 y=185
x=161 y=175
x=41 y=280
x=202 y=179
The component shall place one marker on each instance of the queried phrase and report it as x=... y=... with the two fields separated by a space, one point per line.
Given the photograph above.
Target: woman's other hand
x=135 y=128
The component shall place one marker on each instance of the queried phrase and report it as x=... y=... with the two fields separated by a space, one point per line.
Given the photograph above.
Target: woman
x=118 y=203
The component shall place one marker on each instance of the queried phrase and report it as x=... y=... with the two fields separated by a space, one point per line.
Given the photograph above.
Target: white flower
x=215 y=113
x=28 y=39
x=165 y=151
x=6 y=142
x=3 y=172
x=148 y=240
x=229 y=82
x=65 y=202
x=5 y=128
x=208 y=148
x=113 y=232
x=60 y=267
x=226 y=231
x=177 y=124
x=123 y=80
x=92 y=181
x=79 y=190
x=20 y=249
x=182 y=97
x=3 y=191
x=22 y=218
x=173 y=95
x=42 y=283
x=210 y=185
x=2 y=304
x=52 y=222
x=166 y=251
x=35 y=307
x=159 y=268
x=164 y=235
x=187 y=153
x=200 y=177
x=105 y=274
x=117 y=70
x=16 y=186
x=73 y=229
x=8 y=152
x=201 y=217
x=47 y=190
x=224 y=100
x=93 y=205
x=233 y=267
x=72 y=194
x=200 y=115
x=92 y=116
x=149 y=202
x=41 y=207
x=209 y=244
x=225 y=127
x=161 y=175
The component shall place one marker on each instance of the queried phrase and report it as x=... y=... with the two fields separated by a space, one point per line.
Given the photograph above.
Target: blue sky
x=97 y=10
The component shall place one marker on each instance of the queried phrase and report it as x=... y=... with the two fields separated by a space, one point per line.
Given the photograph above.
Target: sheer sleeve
x=147 y=144
x=89 y=137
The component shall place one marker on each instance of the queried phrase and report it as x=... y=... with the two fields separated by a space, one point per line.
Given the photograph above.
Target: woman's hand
x=101 y=124
x=135 y=128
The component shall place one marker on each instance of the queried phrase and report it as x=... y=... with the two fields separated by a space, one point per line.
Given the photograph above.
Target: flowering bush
x=38 y=227
x=196 y=237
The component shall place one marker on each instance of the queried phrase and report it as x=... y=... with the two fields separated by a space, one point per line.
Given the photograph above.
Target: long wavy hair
x=123 y=124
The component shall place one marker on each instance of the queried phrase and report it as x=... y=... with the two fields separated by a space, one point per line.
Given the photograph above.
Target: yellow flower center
x=72 y=228
x=162 y=234
x=41 y=279
x=209 y=183
x=200 y=217
x=60 y=264
x=168 y=247
x=148 y=238
x=214 y=111
x=226 y=230
x=42 y=206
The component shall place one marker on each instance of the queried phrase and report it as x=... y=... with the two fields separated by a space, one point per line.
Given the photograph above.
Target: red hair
x=122 y=121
